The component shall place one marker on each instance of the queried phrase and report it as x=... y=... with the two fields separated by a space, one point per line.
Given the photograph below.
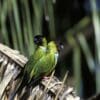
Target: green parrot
x=47 y=63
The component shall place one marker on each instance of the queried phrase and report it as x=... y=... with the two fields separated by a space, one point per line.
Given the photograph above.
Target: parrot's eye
x=60 y=47
x=38 y=39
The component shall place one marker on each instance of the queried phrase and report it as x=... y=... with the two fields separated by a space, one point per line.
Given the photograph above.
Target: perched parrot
x=47 y=63
x=40 y=51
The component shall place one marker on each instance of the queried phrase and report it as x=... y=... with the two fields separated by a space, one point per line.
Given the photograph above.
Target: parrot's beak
x=60 y=47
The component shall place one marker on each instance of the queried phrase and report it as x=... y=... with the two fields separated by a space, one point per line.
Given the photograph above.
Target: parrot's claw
x=46 y=78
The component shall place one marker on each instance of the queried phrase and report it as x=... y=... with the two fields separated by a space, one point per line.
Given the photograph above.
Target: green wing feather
x=34 y=59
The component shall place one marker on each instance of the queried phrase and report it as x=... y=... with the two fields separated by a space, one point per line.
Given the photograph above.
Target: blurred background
x=75 y=23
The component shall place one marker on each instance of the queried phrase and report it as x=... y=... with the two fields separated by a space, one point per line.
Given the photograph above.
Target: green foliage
x=23 y=30
x=96 y=23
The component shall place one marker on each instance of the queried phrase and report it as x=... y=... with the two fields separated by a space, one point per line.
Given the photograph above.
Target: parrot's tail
x=25 y=84
x=20 y=86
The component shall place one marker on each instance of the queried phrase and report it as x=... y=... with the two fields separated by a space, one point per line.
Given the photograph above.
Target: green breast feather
x=44 y=66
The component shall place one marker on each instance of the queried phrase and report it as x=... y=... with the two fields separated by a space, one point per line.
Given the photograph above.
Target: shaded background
x=73 y=22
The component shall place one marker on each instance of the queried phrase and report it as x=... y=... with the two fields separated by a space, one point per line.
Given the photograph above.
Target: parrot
x=47 y=63
x=41 y=43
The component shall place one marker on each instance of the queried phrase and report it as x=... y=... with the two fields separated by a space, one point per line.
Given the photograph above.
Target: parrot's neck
x=44 y=42
x=43 y=48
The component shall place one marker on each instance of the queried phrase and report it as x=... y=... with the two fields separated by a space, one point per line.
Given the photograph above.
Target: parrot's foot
x=46 y=78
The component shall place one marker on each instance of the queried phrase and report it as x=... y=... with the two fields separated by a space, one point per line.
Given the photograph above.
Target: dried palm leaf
x=12 y=63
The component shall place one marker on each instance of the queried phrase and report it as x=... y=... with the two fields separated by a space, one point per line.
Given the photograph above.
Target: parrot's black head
x=38 y=39
x=60 y=46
